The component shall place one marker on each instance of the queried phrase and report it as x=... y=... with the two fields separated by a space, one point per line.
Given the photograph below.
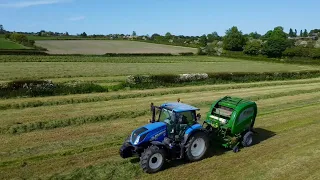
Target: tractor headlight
x=137 y=140
x=140 y=138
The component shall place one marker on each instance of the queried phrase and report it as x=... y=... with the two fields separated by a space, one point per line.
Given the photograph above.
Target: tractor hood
x=150 y=132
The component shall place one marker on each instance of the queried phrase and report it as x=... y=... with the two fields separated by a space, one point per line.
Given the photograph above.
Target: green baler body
x=231 y=117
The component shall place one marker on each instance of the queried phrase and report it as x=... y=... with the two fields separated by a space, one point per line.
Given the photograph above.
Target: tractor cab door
x=182 y=121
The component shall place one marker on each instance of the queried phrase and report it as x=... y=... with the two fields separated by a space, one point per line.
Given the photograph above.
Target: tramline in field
x=177 y=134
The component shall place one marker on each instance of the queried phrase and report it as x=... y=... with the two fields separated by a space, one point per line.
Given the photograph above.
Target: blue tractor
x=173 y=133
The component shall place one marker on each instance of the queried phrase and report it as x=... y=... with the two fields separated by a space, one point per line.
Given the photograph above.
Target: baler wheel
x=247 y=139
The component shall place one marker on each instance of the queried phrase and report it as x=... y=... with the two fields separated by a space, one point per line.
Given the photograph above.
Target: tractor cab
x=178 y=117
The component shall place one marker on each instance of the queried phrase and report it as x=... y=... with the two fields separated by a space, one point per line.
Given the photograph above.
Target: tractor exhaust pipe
x=153 y=110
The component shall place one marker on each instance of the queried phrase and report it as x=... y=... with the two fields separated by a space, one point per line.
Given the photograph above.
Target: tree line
x=274 y=43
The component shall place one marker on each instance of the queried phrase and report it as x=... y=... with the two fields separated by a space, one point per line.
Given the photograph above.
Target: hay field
x=286 y=146
x=108 y=46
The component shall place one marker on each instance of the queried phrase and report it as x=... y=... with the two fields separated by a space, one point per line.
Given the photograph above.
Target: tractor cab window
x=165 y=115
x=187 y=117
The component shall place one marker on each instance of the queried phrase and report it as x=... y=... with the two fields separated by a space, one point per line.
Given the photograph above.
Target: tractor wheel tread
x=188 y=154
x=144 y=159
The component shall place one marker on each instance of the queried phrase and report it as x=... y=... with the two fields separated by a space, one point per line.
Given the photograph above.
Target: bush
x=212 y=78
x=136 y=54
x=200 y=51
x=213 y=49
x=315 y=53
x=22 y=52
x=7 y=36
x=33 y=88
x=186 y=54
x=302 y=52
x=253 y=47
x=297 y=51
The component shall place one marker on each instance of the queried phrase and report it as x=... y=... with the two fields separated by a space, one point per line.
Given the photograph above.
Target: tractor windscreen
x=165 y=115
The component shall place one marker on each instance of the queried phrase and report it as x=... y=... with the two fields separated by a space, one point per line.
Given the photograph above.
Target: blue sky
x=185 y=17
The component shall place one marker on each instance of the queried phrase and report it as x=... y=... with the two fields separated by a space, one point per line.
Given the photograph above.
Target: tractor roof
x=179 y=107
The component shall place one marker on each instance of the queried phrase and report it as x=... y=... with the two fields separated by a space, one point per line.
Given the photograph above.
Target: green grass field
x=6 y=44
x=104 y=46
x=286 y=146
x=18 y=67
x=78 y=136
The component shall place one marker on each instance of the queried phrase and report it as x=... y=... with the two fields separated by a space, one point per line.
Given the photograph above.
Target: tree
x=253 y=47
x=234 y=40
x=301 y=34
x=255 y=35
x=305 y=33
x=276 y=44
x=134 y=34
x=168 y=35
x=7 y=36
x=84 y=34
x=153 y=36
x=203 y=41
x=210 y=38
x=291 y=33
x=216 y=36
x=267 y=35
x=295 y=33
x=2 y=31
x=213 y=37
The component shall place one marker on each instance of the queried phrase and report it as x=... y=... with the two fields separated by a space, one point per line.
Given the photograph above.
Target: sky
x=179 y=17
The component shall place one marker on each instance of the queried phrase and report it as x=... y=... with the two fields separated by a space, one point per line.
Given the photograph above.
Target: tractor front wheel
x=152 y=159
x=197 y=146
x=247 y=139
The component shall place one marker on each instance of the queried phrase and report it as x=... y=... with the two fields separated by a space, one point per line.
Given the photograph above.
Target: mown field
x=39 y=67
x=111 y=46
x=78 y=136
x=5 y=44
x=287 y=143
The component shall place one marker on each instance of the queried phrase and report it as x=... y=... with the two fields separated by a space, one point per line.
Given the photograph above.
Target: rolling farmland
x=78 y=135
x=111 y=46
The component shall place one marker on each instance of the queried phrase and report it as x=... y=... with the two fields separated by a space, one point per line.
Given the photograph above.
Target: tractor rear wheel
x=197 y=146
x=152 y=159
x=247 y=139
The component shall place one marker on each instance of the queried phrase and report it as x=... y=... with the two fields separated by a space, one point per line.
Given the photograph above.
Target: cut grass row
x=294 y=123
x=30 y=119
x=43 y=70
x=96 y=97
x=283 y=103
x=142 y=59
x=20 y=145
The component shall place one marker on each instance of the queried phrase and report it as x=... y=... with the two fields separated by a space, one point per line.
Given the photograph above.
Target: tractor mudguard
x=192 y=130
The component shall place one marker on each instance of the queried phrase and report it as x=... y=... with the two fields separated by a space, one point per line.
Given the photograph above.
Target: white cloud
x=23 y=4
x=78 y=18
